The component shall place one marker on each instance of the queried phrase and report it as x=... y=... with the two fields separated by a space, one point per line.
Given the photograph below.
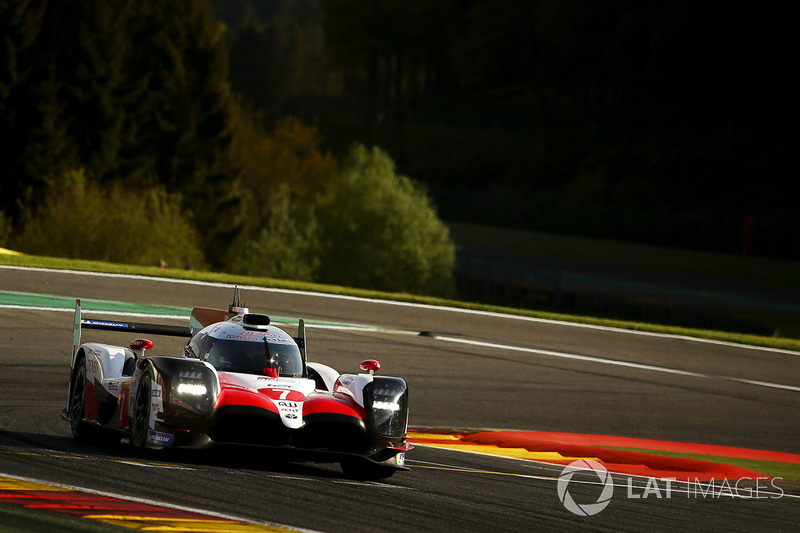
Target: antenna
x=237 y=307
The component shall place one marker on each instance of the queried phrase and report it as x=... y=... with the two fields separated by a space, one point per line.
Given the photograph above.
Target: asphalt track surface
x=466 y=370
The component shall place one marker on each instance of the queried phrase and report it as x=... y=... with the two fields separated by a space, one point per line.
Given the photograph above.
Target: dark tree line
x=637 y=80
x=619 y=118
x=674 y=109
x=125 y=143
x=124 y=90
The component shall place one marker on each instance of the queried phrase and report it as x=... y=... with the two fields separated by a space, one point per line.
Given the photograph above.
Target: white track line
x=645 y=480
x=601 y=360
x=156 y=503
x=562 y=355
x=403 y=304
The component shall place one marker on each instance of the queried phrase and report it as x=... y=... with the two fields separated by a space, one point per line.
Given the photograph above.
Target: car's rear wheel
x=141 y=412
x=77 y=402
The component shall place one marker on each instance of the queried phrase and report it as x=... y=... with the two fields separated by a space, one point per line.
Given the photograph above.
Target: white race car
x=241 y=381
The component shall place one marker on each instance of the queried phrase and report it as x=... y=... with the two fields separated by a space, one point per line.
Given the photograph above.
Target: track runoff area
x=654 y=468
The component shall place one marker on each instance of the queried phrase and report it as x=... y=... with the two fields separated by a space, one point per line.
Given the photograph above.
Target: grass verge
x=215 y=277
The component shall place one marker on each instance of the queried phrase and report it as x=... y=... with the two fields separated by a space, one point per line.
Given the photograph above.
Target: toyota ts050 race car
x=240 y=381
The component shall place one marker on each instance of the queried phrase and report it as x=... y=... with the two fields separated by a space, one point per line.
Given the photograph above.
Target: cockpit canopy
x=231 y=347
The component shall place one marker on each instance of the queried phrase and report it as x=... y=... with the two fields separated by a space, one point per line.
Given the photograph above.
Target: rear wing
x=116 y=325
x=199 y=318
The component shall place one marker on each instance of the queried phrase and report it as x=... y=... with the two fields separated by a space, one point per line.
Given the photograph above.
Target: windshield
x=251 y=357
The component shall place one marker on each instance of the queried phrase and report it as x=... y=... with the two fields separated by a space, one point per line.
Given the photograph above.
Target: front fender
x=324 y=376
x=353 y=385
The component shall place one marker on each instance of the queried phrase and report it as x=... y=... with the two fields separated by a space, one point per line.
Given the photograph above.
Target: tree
x=286 y=166
x=286 y=246
x=34 y=136
x=186 y=124
x=379 y=231
x=85 y=220
x=277 y=56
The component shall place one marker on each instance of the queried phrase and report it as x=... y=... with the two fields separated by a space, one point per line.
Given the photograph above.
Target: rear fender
x=104 y=379
x=104 y=361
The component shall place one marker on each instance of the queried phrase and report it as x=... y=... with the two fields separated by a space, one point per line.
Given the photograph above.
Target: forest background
x=274 y=137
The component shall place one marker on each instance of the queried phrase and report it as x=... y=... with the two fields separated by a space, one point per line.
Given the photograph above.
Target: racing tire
x=365 y=470
x=140 y=425
x=81 y=430
x=77 y=403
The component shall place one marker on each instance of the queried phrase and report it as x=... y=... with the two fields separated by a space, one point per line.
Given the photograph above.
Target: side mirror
x=371 y=366
x=139 y=346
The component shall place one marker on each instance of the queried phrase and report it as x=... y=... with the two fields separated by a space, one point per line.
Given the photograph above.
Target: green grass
x=98 y=266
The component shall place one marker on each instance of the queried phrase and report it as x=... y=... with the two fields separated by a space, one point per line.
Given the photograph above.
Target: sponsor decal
x=285 y=394
x=161 y=439
x=290 y=410
x=289 y=407
x=104 y=323
x=257 y=336
x=156 y=405
x=243 y=337
x=281 y=382
x=401 y=459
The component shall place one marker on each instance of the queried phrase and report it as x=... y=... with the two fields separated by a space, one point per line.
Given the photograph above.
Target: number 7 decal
x=284 y=393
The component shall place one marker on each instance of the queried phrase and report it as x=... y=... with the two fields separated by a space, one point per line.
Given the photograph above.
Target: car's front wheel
x=141 y=412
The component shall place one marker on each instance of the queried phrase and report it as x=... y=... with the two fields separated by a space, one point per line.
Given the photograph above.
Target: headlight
x=192 y=391
x=386 y=400
x=386 y=406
